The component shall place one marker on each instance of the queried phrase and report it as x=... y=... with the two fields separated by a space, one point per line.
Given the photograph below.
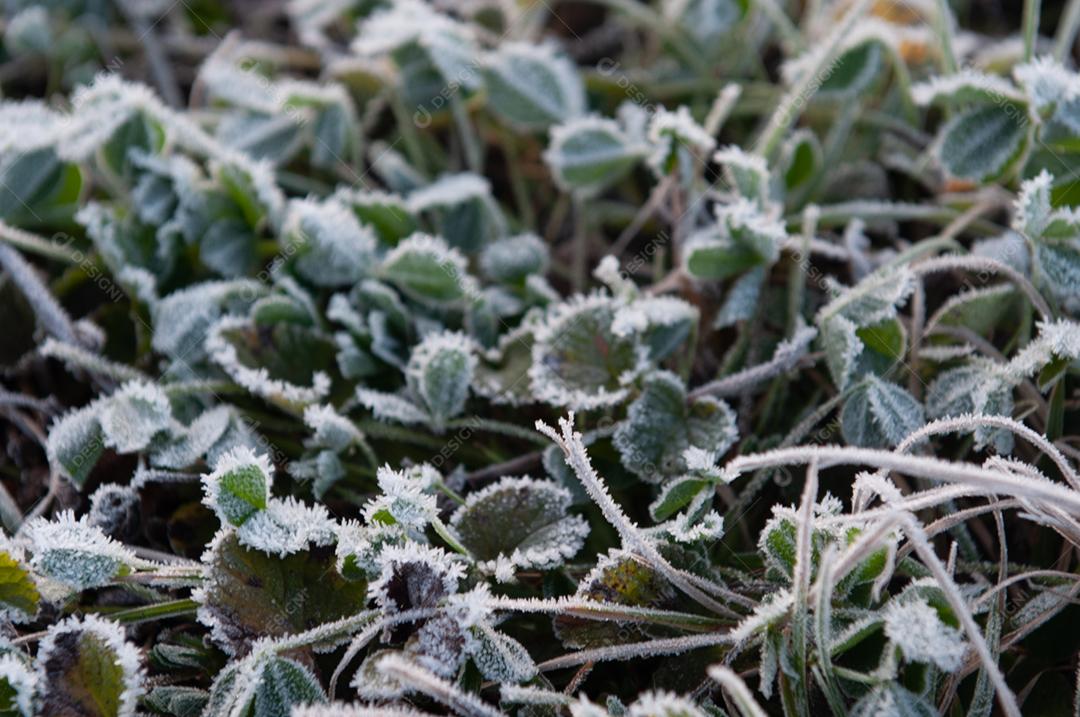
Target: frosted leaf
x=578 y=361
x=706 y=21
x=963 y=87
x=511 y=259
x=742 y=239
x=250 y=594
x=859 y=329
x=662 y=424
x=387 y=214
x=664 y=704
x=747 y=173
x=440 y=371
x=522 y=519
x=769 y=611
x=1047 y=84
x=462 y=209
x=609 y=273
x=331 y=429
x=406 y=499
x=892 y=699
x=531 y=86
x=269 y=686
x=406 y=22
x=879 y=414
x=287 y=526
x=664 y=323
x=981 y=144
x=193 y=442
x=502 y=373
x=425 y=269
x=371 y=683
x=582 y=707
x=843 y=348
x=115 y=509
x=101 y=109
x=391 y=407
x=978 y=388
x=677 y=141
x=1058 y=339
x=18 y=684
x=978 y=309
x=471 y=608
x=258 y=380
x=131 y=417
x=415 y=576
x=1034 y=214
x=182 y=318
x=1057 y=266
x=921 y=635
x=239 y=485
x=438 y=645
x=498 y=657
x=76 y=553
x=696 y=524
x=76 y=443
x=79 y=647
x=334 y=248
x=589 y=154
x=742 y=299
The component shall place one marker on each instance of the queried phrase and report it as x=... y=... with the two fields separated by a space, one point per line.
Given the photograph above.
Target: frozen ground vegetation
x=568 y=358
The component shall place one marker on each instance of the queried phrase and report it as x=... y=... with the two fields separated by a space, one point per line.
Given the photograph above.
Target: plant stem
x=157 y=611
x=1066 y=32
x=943 y=27
x=1031 y=27
x=38 y=245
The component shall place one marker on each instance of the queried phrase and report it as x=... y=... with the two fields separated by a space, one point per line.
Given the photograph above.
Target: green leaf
x=253 y=594
x=710 y=256
x=19 y=597
x=36 y=185
x=801 y=159
x=239 y=487
x=888 y=338
x=387 y=214
x=590 y=154
x=676 y=495
x=981 y=144
x=853 y=71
